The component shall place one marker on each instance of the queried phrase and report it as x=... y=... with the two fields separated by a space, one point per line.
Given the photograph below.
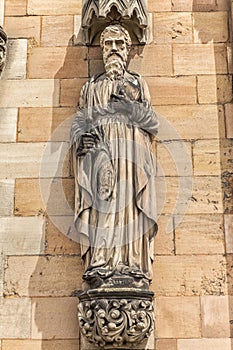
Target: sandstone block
x=2 y=10
x=206 y=157
x=30 y=196
x=215 y=317
x=21 y=236
x=70 y=89
x=159 y=5
x=7 y=197
x=200 y=344
x=40 y=276
x=29 y=93
x=58 y=239
x=47 y=7
x=34 y=160
x=15 y=318
x=172 y=28
x=164 y=240
x=200 y=59
x=189 y=275
x=199 y=234
x=72 y=344
x=210 y=27
x=15 y=7
x=45 y=124
x=58 y=62
x=228 y=223
x=23 y=27
x=174 y=158
x=229 y=120
x=189 y=122
x=173 y=317
x=189 y=195
x=57 y=30
x=169 y=91
x=2 y=263
x=199 y=5
x=166 y=344
x=16 y=61
x=54 y=318
x=230 y=58
x=160 y=55
x=214 y=88
x=8 y=124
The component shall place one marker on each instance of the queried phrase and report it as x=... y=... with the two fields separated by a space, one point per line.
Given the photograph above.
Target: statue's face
x=114 y=46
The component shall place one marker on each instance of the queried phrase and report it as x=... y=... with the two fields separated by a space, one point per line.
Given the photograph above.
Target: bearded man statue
x=114 y=169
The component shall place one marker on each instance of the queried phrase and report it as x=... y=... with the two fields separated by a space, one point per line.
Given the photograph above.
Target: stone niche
x=131 y=14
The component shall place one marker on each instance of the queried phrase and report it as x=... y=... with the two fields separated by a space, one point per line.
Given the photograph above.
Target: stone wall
x=188 y=67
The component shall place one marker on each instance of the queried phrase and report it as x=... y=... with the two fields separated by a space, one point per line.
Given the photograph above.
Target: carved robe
x=115 y=201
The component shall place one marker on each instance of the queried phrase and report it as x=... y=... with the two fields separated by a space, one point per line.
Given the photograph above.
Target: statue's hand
x=87 y=142
x=121 y=104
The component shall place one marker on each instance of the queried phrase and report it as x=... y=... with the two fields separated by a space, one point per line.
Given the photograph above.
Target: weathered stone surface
x=189 y=275
x=189 y=122
x=176 y=163
x=228 y=223
x=214 y=88
x=166 y=344
x=8 y=124
x=15 y=318
x=215 y=317
x=16 y=61
x=160 y=55
x=44 y=124
x=195 y=195
x=72 y=344
x=164 y=240
x=200 y=5
x=57 y=30
x=21 y=236
x=15 y=7
x=59 y=62
x=172 y=28
x=173 y=317
x=229 y=120
x=29 y=93
x=34 y=160
x=37 y=276
x=54 y=318
x=169 y=91
x=206 y=157
x=23 y=27
x=200 y=344
x=57 y=236
x=210 y=27
x=199 y=234
x=2 y=263
x=47 y=7
x=29 y=198
x=7 y=197
x=159 y=5
x=200 y=59
x=70 y=90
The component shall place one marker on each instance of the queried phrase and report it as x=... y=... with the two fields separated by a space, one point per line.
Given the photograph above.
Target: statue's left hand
x=88 y=141
x=121 y=104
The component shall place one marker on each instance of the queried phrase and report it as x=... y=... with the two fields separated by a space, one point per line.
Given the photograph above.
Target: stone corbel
x=97 y=14
x=3 y=48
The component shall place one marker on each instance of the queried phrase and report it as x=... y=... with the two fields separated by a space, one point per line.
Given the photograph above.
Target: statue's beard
x=114 y=66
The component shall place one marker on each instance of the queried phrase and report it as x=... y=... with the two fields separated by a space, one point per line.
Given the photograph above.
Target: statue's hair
x=3 y=34
x=116 y=28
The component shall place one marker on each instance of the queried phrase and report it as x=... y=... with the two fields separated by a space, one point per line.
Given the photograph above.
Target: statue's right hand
x=87 y=142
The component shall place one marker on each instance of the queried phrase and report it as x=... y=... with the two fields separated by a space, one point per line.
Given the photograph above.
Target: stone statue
x=115 y=200
x=3 y=41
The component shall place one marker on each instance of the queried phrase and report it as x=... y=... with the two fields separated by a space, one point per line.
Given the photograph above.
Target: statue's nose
x=114 y=47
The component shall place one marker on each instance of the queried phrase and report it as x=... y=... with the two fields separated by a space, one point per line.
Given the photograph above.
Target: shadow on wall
x=223 y=99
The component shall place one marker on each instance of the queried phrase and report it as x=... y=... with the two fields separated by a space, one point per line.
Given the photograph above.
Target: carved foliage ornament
x=3 y=41
x=97 y=14
x=116 y=323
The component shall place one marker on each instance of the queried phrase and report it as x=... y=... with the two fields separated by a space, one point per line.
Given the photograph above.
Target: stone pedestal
x=116 y=318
